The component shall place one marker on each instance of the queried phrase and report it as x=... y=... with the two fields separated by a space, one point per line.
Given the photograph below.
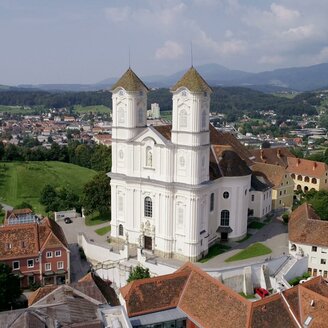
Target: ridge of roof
x=130 y=82
x=193 y=81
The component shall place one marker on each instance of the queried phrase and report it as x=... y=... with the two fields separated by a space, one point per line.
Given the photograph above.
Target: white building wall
x=260 y=202
x=317 y=257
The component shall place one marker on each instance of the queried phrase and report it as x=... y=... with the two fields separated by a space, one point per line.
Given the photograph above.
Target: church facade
x=175 y=189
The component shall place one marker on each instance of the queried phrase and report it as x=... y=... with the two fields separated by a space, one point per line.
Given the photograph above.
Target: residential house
x=37 y=251
x=191 y=298
x=283 y=185
x=307 y=235
x=308 y=174
x=84 y=304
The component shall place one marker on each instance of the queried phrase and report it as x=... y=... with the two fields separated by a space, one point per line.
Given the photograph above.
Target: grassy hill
x=23 y=181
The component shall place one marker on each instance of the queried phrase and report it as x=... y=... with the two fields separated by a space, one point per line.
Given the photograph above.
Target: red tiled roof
x=274 y=173
x=306 y=167
x=29 y=238
x=306 y=227
x=275 y=156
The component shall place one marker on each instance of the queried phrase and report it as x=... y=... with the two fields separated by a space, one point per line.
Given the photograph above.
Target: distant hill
x=293 y=79
x=23 y=181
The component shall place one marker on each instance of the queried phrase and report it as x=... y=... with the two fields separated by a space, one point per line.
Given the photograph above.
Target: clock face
x=184 y=93
x=121 y=93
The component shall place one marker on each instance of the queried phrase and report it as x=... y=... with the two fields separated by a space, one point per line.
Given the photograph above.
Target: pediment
x=151 y=133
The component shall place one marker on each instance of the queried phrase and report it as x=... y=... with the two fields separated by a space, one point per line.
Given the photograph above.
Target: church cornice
x=156 y=183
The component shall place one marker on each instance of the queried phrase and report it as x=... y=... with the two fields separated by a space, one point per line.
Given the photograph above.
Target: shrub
x=285 y=218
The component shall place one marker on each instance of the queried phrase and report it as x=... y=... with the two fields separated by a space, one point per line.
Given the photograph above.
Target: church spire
x=130 y=82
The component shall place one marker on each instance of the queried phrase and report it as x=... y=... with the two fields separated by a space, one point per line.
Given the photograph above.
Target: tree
x=24 y=205
x=96 y=194
x=138 y=272
x=48 y=195
x=9 y=287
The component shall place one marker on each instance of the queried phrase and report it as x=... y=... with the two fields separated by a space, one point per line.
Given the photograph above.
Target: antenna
x=191 y=55
x=129 y=58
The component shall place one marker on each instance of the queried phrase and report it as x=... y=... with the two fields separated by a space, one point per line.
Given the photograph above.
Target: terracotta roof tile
x=271 y=312
x=306 y=227
x=275 y=156
x=139 y=296
x=274 y=173
x=18 y=240
x=130 y=82
x=306 y=167
x=211 y=304
x=193 y=81
x=40 y=293
x=164 y=130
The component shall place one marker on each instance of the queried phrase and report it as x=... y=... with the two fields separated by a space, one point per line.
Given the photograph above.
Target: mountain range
x=293 y=79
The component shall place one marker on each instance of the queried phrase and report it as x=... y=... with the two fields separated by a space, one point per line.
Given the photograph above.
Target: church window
x=253 y=198
x=203 y=120
x=225 y=215
x=149 y=157
x=314 y=180
x=225 y=195
x=182 y=161
x=120 y=115
x=183 y=118
x=120 y=230
x=148 y=207
x=212 y=202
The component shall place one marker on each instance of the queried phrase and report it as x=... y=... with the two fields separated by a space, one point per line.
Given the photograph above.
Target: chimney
x=278 y=153
x=262 y=154
x=315 y=165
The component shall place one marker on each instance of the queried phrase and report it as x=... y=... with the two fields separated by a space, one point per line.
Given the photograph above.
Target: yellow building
x=308 y=174
x=283 y=185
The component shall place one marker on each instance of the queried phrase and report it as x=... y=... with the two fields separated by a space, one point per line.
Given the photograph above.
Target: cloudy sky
x=80 y=41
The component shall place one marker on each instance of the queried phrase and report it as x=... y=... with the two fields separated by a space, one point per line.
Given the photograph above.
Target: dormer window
x=8 y=246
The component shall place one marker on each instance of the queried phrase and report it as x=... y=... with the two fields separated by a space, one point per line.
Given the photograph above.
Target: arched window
x=225 y=215
x=120 y=230
x=225 y=195
x=306 y=188
x=203 y=120
x=148 y=207
x=212 y=202
x=306 y=179
x=299 y=187
x=314 y=180
x=293 y=176
x=299 y=178
x=149 y=157
x=183 y=119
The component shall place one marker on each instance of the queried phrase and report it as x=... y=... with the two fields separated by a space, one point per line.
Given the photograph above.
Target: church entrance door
x=224 y=236
x=148 y=243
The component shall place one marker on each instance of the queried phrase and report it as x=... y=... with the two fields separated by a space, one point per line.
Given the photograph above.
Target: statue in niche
x=149 y=157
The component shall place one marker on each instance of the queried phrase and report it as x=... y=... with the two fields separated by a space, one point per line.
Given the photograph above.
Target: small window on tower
x=140 y=115
x=203 y=120
x=183 y=118
x=120 y=115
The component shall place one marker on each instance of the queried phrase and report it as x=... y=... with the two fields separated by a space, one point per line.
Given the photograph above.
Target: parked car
x=262 y=292
x=68 y=220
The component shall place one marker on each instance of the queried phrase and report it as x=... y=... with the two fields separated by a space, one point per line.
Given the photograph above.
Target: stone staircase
x=283 y=270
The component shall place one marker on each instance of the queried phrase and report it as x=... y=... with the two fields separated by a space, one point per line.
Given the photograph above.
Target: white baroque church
x=176 y=189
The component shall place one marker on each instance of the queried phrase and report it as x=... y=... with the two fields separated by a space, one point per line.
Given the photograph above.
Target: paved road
x=72 y=230
x=274 y=235
x=79 y=268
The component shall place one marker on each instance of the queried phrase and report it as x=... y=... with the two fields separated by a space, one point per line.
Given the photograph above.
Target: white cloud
x=284 y=13
x=299 y=33
x=224 y=48
x=322 y=56
x=170 y=50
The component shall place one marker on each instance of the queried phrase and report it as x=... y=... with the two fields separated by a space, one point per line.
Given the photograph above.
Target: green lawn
x=102 y=231
x=213 y=251
x=246 y=295
x=96 y=218
x=94 y=109
x=256 y=225
x=23 y=181
x=253 y=250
